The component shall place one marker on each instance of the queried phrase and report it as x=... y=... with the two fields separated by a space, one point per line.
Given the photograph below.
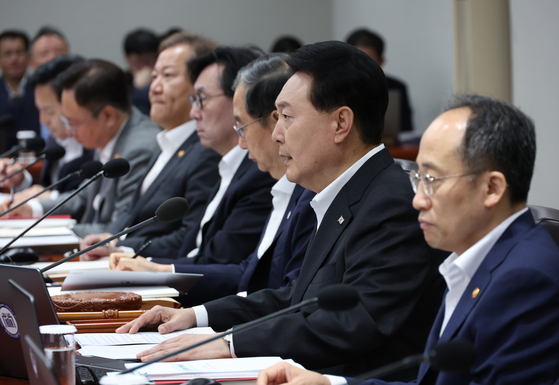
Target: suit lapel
x=337 y=218
x=482 y=277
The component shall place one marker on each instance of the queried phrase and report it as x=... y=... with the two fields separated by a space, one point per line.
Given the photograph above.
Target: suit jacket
x=278 y=266
x=136 y=143
x=369 y=239
x=191 y=173
x=512 y=321
x=235 y=228
x=68 y=168
x=23 y=110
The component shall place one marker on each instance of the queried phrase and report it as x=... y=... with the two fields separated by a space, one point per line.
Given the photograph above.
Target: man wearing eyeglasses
x=182 y=167
x=476 y=161
x=96 y=109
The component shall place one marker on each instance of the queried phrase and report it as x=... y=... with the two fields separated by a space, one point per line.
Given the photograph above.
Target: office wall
x=97 y=28
x=535 y=74
x=419 y=48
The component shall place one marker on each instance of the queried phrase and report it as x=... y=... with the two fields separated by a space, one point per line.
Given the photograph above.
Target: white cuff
x=37 y=208
x=201 y=315
x=126 y=249
x=336 y=380
x=26 y=183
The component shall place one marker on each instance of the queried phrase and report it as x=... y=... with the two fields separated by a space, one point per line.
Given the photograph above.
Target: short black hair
x=140 y=41
x=367 y=38
x=233 y=58
x=286 y=44
x=498 y=137
x=15 y=34
x=48 y=72
x=264 y=77
x=342 y=75
x=96 y=83
x=48 y=30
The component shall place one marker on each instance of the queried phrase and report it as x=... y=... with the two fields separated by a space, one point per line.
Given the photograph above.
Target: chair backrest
x=548 y=217
x=407 y=165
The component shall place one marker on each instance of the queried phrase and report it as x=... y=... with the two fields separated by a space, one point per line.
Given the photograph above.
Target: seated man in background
x=475 y=165
x=278 y=257
x=47 y=44
x=96 y=109
x=49 y=107
x=182 y=166
x=330 y=123
x=230 y=227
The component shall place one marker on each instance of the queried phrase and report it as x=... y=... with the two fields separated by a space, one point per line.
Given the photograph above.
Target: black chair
x=548 y=217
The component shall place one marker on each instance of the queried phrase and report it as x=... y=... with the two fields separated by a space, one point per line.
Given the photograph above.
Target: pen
x=145 y=246
x=12 y=190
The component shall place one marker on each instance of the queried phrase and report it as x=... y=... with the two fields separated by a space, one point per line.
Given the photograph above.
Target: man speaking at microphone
x=331 y=115
x=96 y=109
x=476 y=161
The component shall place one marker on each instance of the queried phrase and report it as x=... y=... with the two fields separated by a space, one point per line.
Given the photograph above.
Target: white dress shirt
x=458 y=270
x=228 y=166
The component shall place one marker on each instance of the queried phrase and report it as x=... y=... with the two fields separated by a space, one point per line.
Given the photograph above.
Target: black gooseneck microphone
x=336 y=297
x=451 y=356
x=87 y=170
x=114 y=168
x=52 y=154
x=32 y=144
x=171 y=210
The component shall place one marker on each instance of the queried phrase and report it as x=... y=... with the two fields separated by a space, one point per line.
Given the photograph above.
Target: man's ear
x=108 y=114
x=343 y=118
x=495 y=185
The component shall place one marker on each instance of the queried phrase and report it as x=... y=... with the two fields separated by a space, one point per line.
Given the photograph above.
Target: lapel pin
x=180 y=154
x=289 y=215
x=117 y=155
x=475 y=292
x=341 y=219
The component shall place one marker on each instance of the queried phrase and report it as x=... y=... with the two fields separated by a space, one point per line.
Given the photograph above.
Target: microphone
x=451 y=356
x=114 y=168
x=87 y=170
x=33 y=144
x=7 y=120
x=336 y=297
x=52 y=154
x=171 y=210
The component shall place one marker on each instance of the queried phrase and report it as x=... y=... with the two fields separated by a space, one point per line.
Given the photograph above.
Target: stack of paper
x=53 y=234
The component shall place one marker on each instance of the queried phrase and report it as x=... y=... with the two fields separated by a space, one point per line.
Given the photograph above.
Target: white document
x=67 y=267
x=117 y=352
x=42 y=241
x=219 y=369
x=112 y=339
x=48 y=222
x=144 y=291
x=35 y=232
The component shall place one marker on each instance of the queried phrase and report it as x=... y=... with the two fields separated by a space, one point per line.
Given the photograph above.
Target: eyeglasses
x=239 y=130
x=199 y=99
x=427 y=181
x=74 y=127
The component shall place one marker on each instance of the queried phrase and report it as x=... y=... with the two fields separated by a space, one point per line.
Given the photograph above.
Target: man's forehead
x=209 y=78
x=295 y=90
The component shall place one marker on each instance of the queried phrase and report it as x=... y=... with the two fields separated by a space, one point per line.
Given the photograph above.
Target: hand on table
x=99 y=252
x=124 y=261
x=284 y=373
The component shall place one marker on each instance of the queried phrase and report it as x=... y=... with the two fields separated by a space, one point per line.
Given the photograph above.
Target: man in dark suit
x=476 y=161
x=96 y=109
x=278 y=257
x=16 y=93
x=330 y=123
x=181 y=167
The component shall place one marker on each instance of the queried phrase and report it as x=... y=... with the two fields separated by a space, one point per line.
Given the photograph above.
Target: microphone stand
x=40 y=158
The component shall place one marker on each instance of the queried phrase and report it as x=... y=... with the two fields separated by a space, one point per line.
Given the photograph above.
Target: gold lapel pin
x=475 y=292
x=180 y=153
x=341 y=219
x=117 y=155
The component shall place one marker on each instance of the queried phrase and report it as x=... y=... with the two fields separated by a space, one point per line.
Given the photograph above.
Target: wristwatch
x=228 y=338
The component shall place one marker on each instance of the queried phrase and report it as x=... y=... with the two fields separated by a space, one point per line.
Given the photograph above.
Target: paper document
x=91 y=279
x=144 y=291
x=117 y=352
x=67 y=267
x=48 y=222
x=219 y=369
x=112 y=339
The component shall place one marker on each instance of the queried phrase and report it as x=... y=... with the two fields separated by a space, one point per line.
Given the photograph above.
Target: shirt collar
x=322 y=201
x=232 y=160
x=283 y=187
x=470 y=259
x=171 y=140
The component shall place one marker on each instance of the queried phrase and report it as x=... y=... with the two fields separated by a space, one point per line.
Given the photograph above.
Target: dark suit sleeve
x=197 y=188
